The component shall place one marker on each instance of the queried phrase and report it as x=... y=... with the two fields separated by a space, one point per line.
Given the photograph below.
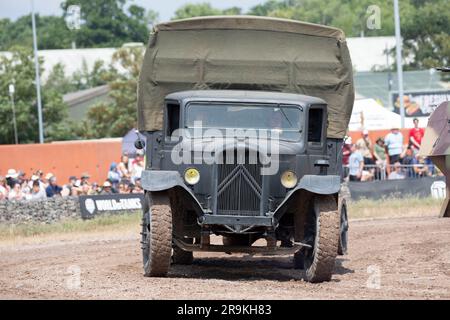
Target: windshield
x=285 y=120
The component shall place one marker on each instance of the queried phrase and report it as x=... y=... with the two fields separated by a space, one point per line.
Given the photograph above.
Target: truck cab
x=244 y=166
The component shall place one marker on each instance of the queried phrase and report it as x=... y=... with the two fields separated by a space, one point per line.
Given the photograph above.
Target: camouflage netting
x=249 y=53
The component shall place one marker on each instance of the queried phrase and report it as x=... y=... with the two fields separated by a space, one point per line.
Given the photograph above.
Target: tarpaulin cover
x=436 y=141
x=249 y=53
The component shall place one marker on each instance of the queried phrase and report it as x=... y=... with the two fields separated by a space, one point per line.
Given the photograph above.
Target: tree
x=19 y=69
x=151 y=18
x=425 y=34
x=202 y=9
x=424 y=23
x=58 y=81
x=106 y=23
x=349 y=15
x=85 y=78
x=52 y=33
x=116 y=117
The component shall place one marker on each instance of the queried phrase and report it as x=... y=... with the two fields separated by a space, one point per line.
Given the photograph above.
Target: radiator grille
x=239 y=188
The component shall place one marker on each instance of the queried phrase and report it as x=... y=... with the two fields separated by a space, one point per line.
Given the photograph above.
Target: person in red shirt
x=415 y=136
x=346 y=150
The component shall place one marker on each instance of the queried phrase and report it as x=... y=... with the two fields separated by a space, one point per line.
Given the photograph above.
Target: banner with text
x=419 y=103
x=95 y=204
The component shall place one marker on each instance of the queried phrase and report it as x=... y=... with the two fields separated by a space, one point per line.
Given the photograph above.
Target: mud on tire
x=156 y=234
x=320 y=260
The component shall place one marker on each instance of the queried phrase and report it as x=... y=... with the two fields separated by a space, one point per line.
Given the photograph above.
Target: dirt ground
x=401 y=258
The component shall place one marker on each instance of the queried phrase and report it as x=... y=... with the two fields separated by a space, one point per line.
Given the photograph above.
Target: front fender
x=319 y=184
x=162 y=180
x=323 y=185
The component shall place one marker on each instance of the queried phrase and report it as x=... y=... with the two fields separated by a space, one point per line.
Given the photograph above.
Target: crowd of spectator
x=391 y=157
x=123 y=177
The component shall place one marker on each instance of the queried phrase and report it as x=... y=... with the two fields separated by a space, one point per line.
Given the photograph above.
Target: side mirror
x=139 y=143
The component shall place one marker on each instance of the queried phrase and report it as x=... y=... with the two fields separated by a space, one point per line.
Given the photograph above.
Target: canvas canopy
x=249 y=53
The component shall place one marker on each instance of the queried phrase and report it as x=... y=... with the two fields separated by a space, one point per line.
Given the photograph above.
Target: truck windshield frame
x=284 y=119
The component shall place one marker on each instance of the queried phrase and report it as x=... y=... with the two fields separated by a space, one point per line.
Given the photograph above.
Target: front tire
x=319 y=260
x=343 y=229
x=156 y=234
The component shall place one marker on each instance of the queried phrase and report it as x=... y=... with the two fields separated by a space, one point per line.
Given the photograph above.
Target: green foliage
x=202 y=9
x=426 y=34
x=117 y=117
x=85 y=78
x=19 y=69
x=424 y=23
x=58 y=81
x=349 y=15
x=52 y=33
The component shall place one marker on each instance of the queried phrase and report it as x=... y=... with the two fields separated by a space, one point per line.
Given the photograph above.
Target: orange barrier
x=63 y=159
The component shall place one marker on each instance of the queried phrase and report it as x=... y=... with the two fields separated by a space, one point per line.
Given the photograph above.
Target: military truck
x=245 y=119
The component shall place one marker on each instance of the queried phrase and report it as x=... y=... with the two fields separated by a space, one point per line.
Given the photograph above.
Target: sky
x=165 y=8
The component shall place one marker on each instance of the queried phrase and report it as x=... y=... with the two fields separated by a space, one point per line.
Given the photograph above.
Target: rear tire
x=320 y=259
x=299 y=260
x=156 y=234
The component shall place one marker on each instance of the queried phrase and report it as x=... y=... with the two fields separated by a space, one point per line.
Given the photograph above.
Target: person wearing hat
x=394 y=144
x=40 y=174
x=16 y=192
x=113 y=174
x=84 y=178
x=106 y=188
x=11 y=178
x=365 y=147
x=34 y=178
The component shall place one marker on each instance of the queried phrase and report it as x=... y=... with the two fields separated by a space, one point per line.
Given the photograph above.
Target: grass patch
x=394 y=207
x=70 y=225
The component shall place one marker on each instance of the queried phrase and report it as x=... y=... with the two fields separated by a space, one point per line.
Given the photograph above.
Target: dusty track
x=412 y=256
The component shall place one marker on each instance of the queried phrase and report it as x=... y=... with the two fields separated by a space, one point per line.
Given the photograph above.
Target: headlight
x=289 y=179
x=192 y=176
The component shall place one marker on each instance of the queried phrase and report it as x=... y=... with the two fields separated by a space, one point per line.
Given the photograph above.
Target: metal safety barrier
x=395 y=171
